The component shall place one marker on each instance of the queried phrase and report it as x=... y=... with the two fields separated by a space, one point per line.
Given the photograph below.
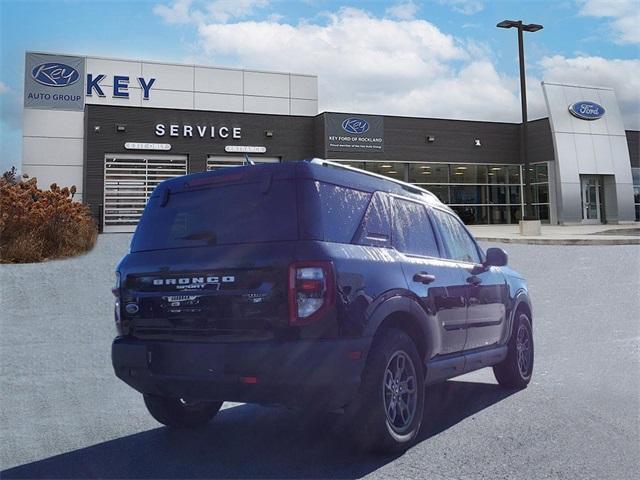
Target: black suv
x=315 y=285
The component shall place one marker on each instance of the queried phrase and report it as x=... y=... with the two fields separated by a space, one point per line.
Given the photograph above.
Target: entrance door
x=591 y=199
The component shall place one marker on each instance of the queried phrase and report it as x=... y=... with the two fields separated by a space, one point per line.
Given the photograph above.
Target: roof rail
x=407 y=186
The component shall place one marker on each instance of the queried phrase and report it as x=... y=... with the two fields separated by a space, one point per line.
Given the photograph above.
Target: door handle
x=424 y=277
x=473 y=280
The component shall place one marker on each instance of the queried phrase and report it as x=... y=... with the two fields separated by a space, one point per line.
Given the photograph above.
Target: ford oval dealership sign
x=356 y=126
x=55 y=74
x=586 y=110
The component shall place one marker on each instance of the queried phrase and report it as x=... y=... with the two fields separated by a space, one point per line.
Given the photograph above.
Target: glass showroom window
x=478 y=193
x=396 y=170
x=388 y=169
x=635 y=172
x=360 y=165
x=540 y=190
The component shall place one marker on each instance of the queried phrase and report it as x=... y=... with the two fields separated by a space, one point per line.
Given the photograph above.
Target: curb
x=561 y=241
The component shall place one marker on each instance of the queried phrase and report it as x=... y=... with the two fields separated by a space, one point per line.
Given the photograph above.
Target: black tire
x=381 y=391
x=176 y=413
x=515 y=371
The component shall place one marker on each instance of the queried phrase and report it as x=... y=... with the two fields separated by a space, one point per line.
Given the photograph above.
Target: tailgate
x=226 y=293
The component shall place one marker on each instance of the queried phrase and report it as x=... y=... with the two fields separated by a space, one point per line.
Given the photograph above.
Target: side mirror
x=496 y=257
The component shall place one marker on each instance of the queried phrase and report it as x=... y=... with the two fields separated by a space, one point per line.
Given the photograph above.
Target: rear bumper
x=297 y=373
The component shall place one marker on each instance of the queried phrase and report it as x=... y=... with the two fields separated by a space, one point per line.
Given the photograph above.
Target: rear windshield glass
x=221 y=215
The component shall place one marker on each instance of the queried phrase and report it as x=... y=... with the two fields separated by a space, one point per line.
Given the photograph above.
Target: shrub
x=37 y=225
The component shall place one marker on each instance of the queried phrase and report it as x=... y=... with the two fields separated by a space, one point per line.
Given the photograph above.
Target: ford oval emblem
x=586 y=110
x=131 y=308
x=357 y=126
x=55 y=74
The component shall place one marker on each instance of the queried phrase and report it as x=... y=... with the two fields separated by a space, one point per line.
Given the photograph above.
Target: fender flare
x=521 y=297
x=410 y=307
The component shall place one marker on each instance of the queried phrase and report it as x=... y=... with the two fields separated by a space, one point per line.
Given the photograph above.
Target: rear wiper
x=210 y=237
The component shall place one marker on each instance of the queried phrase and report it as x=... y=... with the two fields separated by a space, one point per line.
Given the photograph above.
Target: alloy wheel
x=523 y=347
x=400 y=393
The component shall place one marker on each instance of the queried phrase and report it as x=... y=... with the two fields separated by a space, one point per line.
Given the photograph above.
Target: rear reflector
x=310 y=285
x=249 y=380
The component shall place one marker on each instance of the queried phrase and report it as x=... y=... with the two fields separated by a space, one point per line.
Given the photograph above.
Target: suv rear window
x=225 y=214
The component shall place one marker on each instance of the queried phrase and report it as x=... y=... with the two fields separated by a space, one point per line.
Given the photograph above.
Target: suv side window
x=342 y=209
x=375 y=229
x=413 y=233
x=456 y=238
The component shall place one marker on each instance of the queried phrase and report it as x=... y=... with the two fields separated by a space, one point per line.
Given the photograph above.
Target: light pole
x=524 y=157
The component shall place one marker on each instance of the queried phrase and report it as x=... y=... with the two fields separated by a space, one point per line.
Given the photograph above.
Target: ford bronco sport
x=316 y=285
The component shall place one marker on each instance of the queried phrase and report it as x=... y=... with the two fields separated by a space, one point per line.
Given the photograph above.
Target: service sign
x=54 y=82
x=354 y=133
x=586 y=110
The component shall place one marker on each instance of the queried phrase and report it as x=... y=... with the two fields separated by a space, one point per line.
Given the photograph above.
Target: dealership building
x=116 y=128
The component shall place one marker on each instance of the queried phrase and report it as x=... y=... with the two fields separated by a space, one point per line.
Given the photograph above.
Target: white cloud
x=190 y=11
x=3 y=88
x=466 y=7
x=224 y=10
x=178 y=12
x=370 y=64
x=606 y=8
x=403 y=11
x=622 y=75
x=625 y=15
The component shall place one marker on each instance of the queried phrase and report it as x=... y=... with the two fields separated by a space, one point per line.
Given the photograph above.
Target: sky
x=429 y=58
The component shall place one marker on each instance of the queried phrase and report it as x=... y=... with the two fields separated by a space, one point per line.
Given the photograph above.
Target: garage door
x=215 y=162
x=129 y=180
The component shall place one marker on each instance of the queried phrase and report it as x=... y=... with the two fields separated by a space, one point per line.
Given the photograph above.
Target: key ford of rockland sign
x=57 y=82
x=347 y=133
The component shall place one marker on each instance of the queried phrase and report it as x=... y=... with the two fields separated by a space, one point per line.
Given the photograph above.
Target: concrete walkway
x=628 y=234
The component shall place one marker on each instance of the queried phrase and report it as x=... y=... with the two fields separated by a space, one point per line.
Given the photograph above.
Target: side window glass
x=413 y=231
x=457 y=240
x=375 y=229
x=342 y=209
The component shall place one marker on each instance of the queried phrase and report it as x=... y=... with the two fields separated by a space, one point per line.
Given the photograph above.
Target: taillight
x=116 y=314
x=116 y=307
x=311 y=291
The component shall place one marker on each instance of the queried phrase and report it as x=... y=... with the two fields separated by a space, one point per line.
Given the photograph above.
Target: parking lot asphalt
x=65 y=415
